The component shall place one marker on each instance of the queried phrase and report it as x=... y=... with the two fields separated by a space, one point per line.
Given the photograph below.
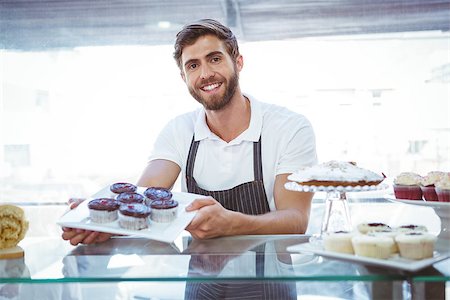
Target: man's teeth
x=210 y=87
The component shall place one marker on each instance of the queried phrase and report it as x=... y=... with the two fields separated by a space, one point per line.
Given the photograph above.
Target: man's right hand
x=80 y=236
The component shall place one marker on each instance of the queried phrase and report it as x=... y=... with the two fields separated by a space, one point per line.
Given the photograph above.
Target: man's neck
x=230 y=122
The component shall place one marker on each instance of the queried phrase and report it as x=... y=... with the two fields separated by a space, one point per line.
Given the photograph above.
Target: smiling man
x=236 y=150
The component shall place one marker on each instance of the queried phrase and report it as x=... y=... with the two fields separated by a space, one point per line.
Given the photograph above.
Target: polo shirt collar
x=252 y=133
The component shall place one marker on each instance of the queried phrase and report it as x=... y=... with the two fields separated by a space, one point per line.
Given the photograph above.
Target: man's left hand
x=211 y=220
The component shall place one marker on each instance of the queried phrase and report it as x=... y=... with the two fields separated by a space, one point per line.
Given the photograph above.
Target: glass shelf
x=137 y=267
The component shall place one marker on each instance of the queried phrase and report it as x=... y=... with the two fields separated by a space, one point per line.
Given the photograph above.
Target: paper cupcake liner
x=429 y=193
x=409 y=192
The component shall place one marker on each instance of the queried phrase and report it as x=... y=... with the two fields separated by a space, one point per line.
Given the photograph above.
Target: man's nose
x=206 y=72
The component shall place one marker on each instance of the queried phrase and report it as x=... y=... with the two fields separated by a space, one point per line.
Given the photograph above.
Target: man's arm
x=291 y=216
x=159 y=173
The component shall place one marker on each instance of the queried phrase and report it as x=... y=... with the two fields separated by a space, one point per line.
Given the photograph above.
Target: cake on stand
x=336 y=216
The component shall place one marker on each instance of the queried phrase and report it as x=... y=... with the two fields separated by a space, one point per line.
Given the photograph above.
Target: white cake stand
x=336 y=216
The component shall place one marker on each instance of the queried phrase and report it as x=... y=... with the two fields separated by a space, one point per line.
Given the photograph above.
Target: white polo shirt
x=287 y=138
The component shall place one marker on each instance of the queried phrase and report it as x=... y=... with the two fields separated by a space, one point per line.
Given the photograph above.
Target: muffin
x=103 y=210
x=443 y=188
x=164 y=211
x=340 y=241
x=157 y=193
x=387 y=233
x=134 y=216
x=407 y=186
x=416 y=245
x=373 y=246
x=126 y=198
x=428 y=185
x=122 y=187
x=369 y=227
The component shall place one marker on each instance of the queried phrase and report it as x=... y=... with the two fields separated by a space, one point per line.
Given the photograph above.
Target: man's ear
x=182 y=76
x=240 y=62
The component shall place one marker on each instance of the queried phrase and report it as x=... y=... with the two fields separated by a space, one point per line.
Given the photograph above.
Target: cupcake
x=340 y=241
x=416 y=245
x=369 y=227
x=126 y=198
x=428 y=185
x=407 y=186
x=122 y=187
x=103 y=210
x=164 y=211
x=157 y=193
x=387 y=233
x=134 y=216
x=373 y=246
x=443 y=188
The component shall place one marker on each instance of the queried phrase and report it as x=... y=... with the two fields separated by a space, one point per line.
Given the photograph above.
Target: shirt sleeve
x=300 y=148
x=174 y=140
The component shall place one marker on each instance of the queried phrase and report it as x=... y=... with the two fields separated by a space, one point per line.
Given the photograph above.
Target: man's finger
x=199 y=203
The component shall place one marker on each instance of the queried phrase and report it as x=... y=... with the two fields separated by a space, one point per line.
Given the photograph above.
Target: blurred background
x=85 y=86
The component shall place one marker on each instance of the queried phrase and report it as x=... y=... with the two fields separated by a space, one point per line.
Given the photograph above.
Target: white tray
x=394 y=262
x=164 y=232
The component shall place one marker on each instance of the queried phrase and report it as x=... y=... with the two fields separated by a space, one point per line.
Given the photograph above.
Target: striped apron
x=248 y=198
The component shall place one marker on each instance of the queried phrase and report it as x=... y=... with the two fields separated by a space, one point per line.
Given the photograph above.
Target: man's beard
x=217 y=102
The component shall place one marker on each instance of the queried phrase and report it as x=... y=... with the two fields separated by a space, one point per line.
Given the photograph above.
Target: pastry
x=103 y=210
x=122 y=187
x=369 y=227
x=164 y=211
x=13 y=225
x=443 y=188
x=157 y=193
x=407 y=186
x=134 y=216
x=125 y=198
x=373 y=246
x=428 y=185
x=416 y=245
x=340 y=241
x=387 y=233
x=335 y=173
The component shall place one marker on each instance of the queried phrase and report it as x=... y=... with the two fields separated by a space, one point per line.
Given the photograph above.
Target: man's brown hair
x=191 y=32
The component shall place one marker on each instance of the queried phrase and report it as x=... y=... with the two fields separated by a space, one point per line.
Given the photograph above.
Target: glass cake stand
x=336 y=216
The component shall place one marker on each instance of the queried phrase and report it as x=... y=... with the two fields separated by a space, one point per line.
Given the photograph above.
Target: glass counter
x=258 y=266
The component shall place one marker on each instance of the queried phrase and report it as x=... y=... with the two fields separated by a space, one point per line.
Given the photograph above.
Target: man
x=236 y=151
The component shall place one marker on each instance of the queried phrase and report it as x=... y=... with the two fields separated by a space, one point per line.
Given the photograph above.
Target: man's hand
x=81 y=236
x=211 y=220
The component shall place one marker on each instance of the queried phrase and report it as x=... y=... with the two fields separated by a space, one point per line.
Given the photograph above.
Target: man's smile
x=211 y=86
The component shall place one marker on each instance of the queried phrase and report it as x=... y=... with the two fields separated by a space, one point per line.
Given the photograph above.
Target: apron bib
x=249 y=198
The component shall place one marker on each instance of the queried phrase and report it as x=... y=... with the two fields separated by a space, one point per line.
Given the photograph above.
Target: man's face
x=210 y=73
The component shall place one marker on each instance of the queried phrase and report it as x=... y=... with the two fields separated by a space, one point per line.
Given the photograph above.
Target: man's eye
x=215 y=59
x=192 y=66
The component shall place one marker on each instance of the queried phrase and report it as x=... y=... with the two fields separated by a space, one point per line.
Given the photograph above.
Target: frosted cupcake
x=387 y=233
x=134 y=216
x=407 y=186
x=416 y=245
x=340 y=241
x=373 y=246
x=122 y=187
x=103 y=210
x=164 y=211
x=428 y=185
x=126 y=198
x=443 y=188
